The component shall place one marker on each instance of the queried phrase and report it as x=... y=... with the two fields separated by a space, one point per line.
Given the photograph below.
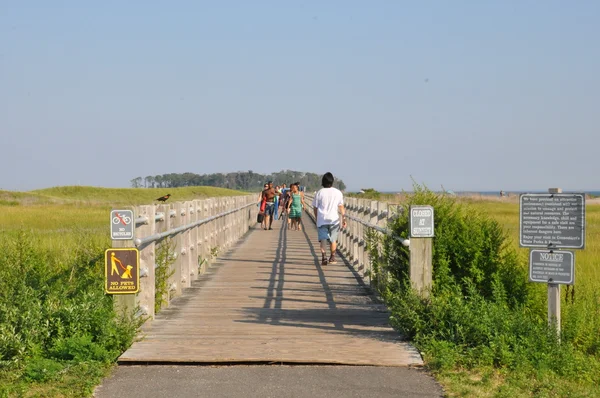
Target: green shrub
x=469 y=246
x=51 y=311
x=482 y=312
x=80 y=348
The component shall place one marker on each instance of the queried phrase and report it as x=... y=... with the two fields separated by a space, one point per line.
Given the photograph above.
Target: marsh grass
x=129 y=196
x=59 y=334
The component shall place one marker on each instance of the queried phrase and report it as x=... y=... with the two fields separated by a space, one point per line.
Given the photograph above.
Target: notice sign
x=122 y=270
x=549 y=266
x=121 y=224
x=421 y=222
x=552 y=220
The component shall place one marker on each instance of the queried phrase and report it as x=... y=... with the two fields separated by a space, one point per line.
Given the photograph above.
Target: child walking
x=295 y=207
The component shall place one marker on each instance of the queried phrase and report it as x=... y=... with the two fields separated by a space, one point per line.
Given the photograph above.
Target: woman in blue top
x=295 y=207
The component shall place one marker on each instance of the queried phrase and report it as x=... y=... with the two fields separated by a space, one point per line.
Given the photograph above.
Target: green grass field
x=82 y=195
x=62 y=217
x=587 y=275
x=63 y=226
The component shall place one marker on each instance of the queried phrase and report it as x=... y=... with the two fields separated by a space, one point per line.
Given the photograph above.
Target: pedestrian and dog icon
x=121 y=225
x=114 y=270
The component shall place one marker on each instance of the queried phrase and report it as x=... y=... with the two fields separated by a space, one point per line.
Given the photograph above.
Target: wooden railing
x=198 y=230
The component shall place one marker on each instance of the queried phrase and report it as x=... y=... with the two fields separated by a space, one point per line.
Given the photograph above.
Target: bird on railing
x=164 y=198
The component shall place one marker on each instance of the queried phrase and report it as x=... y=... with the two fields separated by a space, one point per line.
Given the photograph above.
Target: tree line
x=241 y=180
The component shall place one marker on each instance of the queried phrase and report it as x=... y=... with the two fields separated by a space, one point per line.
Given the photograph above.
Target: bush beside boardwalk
x=484 y=329
x=58 y=330
x=59 y=334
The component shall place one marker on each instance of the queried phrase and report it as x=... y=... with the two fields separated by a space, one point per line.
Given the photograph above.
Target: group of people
x=328 y=208
x=281 y=201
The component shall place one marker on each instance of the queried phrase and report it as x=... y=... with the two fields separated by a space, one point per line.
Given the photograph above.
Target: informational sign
x=122 y=270
x=421 y=222
x=121 y=224
x=552 y=220
x=552 y=266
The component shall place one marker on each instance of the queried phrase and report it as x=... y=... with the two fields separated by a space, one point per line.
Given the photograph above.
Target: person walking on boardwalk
x=283 y=200
x=328 y=205
x=262 y=203
x=268 y=196
x=295 y=207
x=276 y=203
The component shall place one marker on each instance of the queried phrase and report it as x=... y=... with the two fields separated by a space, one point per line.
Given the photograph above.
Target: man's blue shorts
x=270 y=209
x=329 y=232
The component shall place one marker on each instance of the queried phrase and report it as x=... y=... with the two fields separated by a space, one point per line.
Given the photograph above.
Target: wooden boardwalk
x=268 y=300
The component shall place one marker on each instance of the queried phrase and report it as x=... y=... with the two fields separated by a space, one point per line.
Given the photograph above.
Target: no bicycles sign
x=121 y=224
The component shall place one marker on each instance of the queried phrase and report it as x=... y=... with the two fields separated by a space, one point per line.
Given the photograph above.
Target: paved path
x=268 y=382
x=269 y=301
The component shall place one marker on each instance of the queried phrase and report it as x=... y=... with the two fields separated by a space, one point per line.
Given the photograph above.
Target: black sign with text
x=552 y=220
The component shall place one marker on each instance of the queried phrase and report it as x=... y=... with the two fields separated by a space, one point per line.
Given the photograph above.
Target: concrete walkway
x=270 y=381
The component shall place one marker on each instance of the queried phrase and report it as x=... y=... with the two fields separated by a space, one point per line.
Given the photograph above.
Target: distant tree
x=149 y=182
x=136 y=182
x=243 y=180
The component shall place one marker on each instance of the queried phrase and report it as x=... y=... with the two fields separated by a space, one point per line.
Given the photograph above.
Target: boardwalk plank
x=270 y=301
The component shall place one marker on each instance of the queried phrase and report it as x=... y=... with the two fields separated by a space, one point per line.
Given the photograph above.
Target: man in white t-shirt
x=328 y=204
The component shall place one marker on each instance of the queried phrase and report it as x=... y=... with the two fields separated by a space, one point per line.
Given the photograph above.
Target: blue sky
x=474 y=95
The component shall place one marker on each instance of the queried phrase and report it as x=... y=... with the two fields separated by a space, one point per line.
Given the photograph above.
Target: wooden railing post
x=175 y=281
x=186 y=253
x=229 y=223
x=193 y=241
x=384 y=219
x=147 y=261
x=366 y=217
x=212 y=226
x=380 y=221
x=348 y=231
x=354 y=232
x=361 y=237
x=220 y=224
x=160 y=227
x=202 y=238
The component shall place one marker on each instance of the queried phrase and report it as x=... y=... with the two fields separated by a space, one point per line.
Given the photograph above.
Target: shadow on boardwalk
x=270 y=300
x=348 y=300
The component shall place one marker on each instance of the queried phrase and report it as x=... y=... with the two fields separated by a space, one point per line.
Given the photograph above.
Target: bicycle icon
x=118 y=219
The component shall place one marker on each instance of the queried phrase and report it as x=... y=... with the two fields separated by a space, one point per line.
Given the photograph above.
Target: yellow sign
x=122 y=270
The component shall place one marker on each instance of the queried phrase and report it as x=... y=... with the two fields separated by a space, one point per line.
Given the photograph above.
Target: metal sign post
x=552 y=221
x=421 y=251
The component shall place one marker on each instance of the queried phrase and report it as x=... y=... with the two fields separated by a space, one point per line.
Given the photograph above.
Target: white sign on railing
x=122 y=224
x=421 y=222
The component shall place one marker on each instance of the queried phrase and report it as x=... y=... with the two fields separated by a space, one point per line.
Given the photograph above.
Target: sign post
x=122 y=228
x=421 y=252
x=552 y=221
